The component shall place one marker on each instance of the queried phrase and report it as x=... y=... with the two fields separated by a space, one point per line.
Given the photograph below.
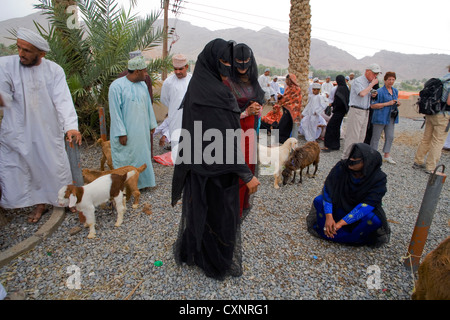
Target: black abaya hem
x=209 y=233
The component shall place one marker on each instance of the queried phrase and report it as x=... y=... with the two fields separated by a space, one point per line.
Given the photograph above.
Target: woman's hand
x=252 y=185
x=340 y=224
x=330 y=226
x=253 y=108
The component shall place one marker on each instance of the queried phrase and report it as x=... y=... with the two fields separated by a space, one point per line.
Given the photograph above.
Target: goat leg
x=102 y=163
x=293 y=179
x=315 y=170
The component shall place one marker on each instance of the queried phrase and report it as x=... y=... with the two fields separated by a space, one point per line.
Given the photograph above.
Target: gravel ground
x=281 y=260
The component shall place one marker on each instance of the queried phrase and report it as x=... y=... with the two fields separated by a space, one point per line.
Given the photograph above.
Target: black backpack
x=430 y=97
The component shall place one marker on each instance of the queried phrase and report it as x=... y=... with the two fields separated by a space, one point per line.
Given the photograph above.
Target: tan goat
x=434 y=275
x=106 y=154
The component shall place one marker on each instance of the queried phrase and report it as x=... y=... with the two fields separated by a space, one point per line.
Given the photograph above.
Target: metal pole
x=73 y=153
x=165 y=35
x=101 y=116
x=424 y=219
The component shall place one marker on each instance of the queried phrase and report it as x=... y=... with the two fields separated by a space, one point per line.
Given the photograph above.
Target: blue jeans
x=356 y=233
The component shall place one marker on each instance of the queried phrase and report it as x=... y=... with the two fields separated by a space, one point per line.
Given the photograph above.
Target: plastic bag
x=164 y=159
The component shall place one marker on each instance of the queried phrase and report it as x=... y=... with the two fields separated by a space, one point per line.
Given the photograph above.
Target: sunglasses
x=354 y=162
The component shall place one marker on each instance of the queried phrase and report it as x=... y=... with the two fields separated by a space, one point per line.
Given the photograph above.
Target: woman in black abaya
x=349 y=210
x=208 y=168
x=340 y=108
x=250 y=97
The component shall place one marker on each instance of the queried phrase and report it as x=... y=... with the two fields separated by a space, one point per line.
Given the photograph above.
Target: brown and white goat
x=131 y=185
x=301 y=158
x=99 y=191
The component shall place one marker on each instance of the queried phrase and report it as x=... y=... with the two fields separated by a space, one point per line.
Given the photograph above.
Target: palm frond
x=93 y=55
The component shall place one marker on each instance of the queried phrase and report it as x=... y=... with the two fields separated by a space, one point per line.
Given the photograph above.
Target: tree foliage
x=274 y=71
x=322 y=74
x=7 y=50
x=91 y=41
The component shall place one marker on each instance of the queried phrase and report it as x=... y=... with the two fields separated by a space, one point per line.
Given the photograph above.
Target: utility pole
x=166 y=34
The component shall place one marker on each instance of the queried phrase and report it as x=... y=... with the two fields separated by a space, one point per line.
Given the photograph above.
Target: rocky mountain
x=271 y=49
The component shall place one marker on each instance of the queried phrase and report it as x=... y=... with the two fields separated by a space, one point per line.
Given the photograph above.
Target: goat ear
x=72 y=200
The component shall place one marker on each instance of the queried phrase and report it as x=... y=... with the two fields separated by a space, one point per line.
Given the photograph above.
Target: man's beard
x=32 y=63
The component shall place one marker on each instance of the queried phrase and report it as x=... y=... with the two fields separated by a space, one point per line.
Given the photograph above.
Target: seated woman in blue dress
x=349 y=209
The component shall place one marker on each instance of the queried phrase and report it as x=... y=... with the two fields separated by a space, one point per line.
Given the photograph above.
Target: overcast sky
x=359 y=27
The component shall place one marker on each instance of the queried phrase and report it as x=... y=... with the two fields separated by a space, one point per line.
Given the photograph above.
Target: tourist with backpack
x=437 y=115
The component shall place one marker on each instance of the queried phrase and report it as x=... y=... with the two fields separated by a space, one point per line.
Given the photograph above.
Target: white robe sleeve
x=165 y=95
x=6 y=89
x=63 y=103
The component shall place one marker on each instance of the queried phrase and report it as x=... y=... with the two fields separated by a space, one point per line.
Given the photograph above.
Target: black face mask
x=242 y=53
x=227 y=56
x=224 y=70
x=353 y=162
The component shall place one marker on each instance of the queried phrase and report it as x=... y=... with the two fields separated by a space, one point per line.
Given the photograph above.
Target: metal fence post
x=102 y=119
x=73 y=153
x=424 y=219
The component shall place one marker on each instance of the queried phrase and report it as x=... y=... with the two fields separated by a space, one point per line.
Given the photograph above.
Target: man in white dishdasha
x=38 y=112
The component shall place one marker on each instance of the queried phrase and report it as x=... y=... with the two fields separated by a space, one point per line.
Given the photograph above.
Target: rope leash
x=409 y=256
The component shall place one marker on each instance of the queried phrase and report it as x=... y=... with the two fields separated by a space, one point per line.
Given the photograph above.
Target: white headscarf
x=33 y=38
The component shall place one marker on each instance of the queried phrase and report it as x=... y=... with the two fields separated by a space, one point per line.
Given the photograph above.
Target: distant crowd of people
x=224 y=93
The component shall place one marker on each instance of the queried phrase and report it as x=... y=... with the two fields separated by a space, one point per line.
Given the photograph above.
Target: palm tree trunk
x=60 y=12
x=64 y=4
x=299 y=44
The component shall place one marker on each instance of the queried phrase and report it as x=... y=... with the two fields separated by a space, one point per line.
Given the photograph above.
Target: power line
x=234 y=11
x=283 y=31
x=233 y=25
x=218 y=15
x=222 y=17
x=377 y=39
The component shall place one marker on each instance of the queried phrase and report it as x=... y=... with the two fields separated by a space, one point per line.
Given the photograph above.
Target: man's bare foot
x=37 y=213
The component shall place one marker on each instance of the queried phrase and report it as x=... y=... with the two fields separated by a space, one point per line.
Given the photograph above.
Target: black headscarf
x=342 y=93
x=205 y=87
x=209 y=102
x=242 y=52
x=346 y=193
